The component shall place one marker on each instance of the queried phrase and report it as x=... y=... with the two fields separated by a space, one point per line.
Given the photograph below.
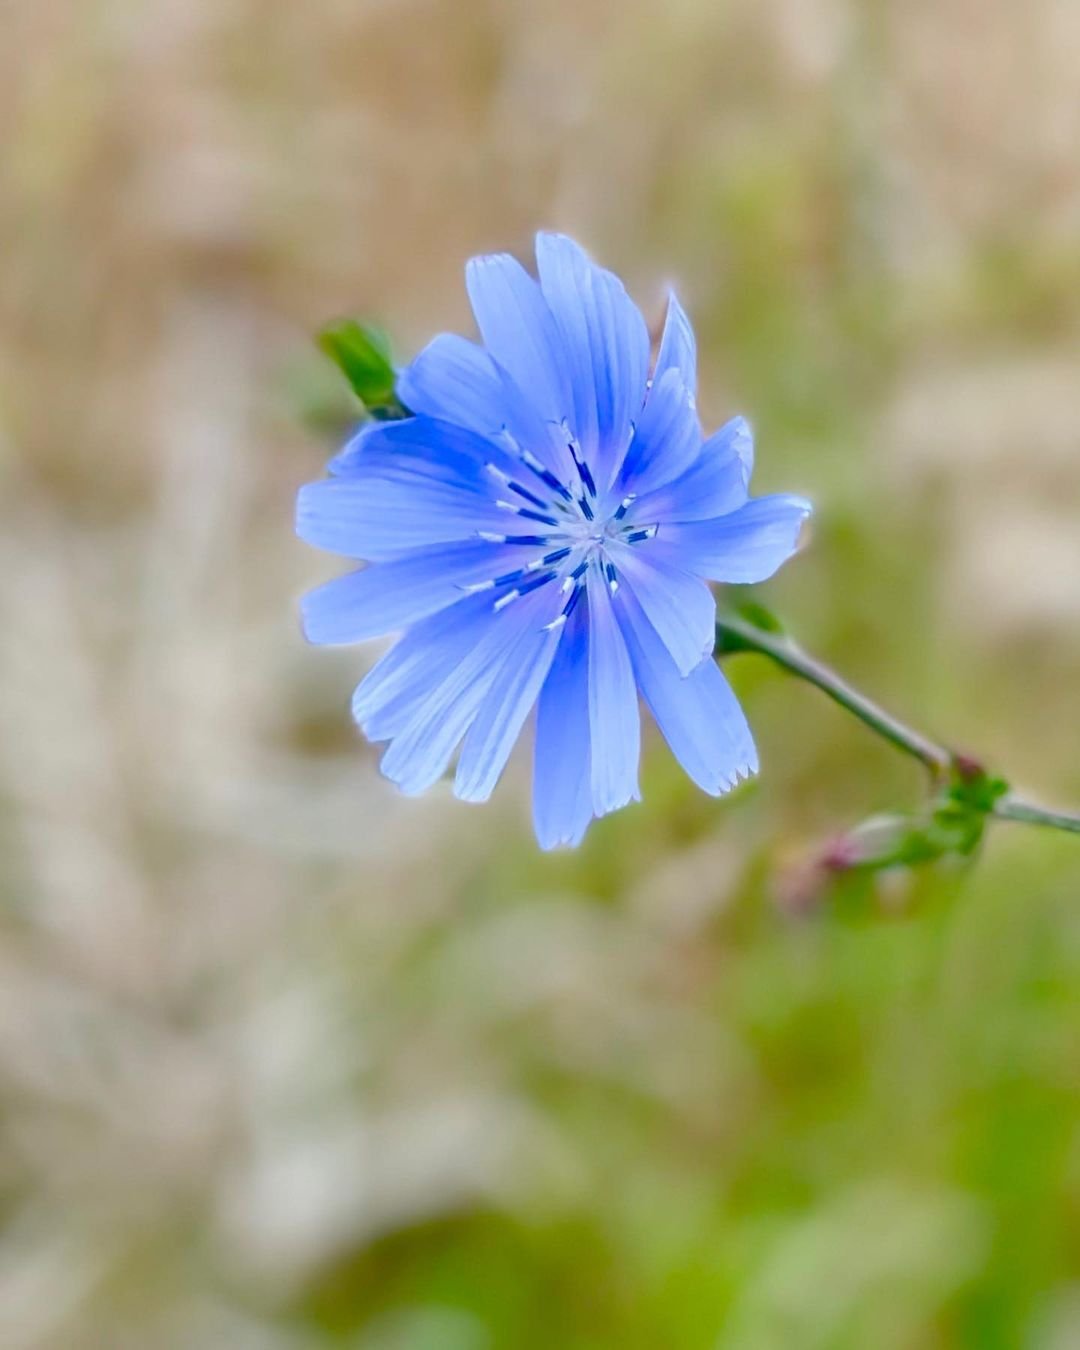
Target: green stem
x=735 y=634
x=1015 y=808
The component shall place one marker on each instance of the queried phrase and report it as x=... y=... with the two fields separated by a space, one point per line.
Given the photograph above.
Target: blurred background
x=290 y=1063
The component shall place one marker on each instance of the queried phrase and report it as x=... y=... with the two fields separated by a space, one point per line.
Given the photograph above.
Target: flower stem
x=736 y=633
x=786 y=652
x=1015 y=808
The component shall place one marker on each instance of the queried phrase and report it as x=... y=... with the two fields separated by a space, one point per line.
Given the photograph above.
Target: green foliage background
x=289 y=1062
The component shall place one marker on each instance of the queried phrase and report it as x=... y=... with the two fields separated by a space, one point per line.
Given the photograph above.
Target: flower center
x=567 y=527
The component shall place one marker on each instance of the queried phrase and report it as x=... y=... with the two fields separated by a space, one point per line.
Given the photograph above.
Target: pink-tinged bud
x=968 y=767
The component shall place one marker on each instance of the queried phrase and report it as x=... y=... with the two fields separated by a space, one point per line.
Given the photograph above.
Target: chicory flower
x=541 y=532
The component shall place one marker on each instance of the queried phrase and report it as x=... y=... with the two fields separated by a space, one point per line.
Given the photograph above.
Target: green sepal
x=951 y=826
x=972 y=787
x=362 y=354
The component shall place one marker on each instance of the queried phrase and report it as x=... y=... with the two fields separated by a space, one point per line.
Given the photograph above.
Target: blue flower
x=541 y=532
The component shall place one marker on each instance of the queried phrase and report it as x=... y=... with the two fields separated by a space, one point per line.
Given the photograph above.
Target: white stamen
x=557 y=622
x=473 y=586
x=531 y=460
x=490 y=537
x=504 y=600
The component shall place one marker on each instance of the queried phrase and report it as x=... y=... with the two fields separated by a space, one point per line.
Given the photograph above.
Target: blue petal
x=745 y=546
x=519 y=331
x=420 y=753
x=679 y=606
x=431 y=447
x=562 y=790
x=508 y=702
x=678 y=347
x=564 y=277
x=376 y=519
x=348 y=457
x=698 y=714
x=398 y=687
x=608 y=344
x=414 y=483
x=454 y=380
x=614 y=719
x=713 y=485
x=391 y=595
x=667 y=441
x=741 y=439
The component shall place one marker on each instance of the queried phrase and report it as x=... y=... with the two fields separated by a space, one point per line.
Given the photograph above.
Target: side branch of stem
x=736 y=633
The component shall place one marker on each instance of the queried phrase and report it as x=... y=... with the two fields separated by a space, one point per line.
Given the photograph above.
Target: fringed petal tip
x=741 y=774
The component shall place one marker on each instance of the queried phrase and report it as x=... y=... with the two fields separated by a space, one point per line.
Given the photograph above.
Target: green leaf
x=362 y=353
